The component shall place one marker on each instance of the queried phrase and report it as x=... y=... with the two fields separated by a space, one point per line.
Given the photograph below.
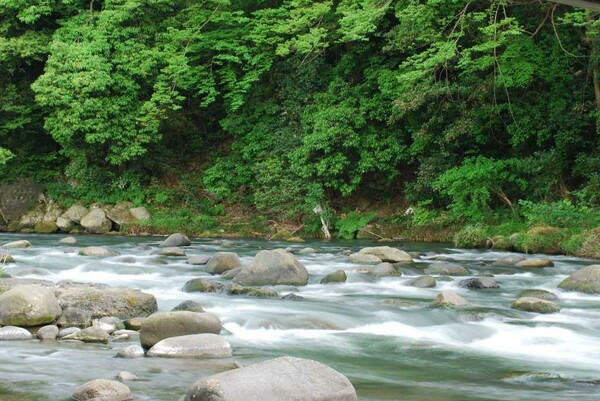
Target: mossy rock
x=530 y=304
x=46 y=227
x=281 y=235
x=399 y=303
x=425 y=281
x=263 y=292
x=295 y=240
x=13 y=227
x=201 y=285
x=585 y=280
x=540 y=294
x=501 y=242
x=543 y=230
x=338 y=276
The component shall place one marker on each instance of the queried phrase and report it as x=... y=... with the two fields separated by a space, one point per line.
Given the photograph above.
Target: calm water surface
x=378 y=332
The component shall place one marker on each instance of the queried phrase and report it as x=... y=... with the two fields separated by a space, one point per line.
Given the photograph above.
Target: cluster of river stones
x=96 y=313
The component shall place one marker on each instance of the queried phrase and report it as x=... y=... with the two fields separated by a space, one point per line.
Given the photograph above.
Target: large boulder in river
x=223 y=261
x=278 y=379
x=96 y=222
x=364 y=258
x=449 y=299
x=198 y=346
x=102 y=390
x=28 y=305
x=584 y=280
x=479 y=283
x=102 y=300
x=176 y=239
x=163 y=325
x=387 y=254
x=75 y=213
x=338 y=276
x=276 y=267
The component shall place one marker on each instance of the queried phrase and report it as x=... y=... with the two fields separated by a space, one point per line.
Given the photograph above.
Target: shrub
x=349 y=226
x=471 y=236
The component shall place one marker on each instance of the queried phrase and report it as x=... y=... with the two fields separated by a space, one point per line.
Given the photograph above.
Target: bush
x=349 y=226
x=559 y=214
x=471 y=236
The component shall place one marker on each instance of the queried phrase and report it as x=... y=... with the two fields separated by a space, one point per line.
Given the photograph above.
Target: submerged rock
x=292 y=297
x=284 y=378
x=585 y=280
x=28 y=305
x=102 y=390
x=163 y=325
x=6 y=258
x=509 y=260
x=68 y=241
x=198 y=346
x=98 y=251
x=387 y=254
x=131 y=352
x=125 y=376
x=540 y=294
x=222 y=262
x=276 y=267
x=537 y=305
x=385 y=269
x=264 y=292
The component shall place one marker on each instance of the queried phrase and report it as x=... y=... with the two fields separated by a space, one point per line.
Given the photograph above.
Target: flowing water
x=378 y=332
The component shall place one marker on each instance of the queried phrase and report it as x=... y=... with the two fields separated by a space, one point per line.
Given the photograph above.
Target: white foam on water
x=269 y=335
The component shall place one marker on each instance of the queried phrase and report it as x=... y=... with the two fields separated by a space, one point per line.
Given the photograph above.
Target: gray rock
x=199 y=346
x=223 y=261
x=540 y=294
x=535 y=305
x=535 y=263
x=230 y=274
x=478 y=283
x=110 y=324
x=198 y=259
x=68 y=241
x=98 y=251
x=102 y=300
x=189 y=306
x=140 y=213
x=75 y=317
x=422 y=282
x=96 y=222
x=6 y=283
x=32 y=218
x=292 y=297
x=387 y=254
x=284 y=378
x=119 y=214
x=49 y=332
x=6 y=258
x=338 y=276
x=14 y=333
x=64 y=224
x=17 y=244
x=385 y=269
x=446 y=269
x=76 y=212
x=126 y=377
x=364 y=258
x=176 y=239
x=509 y=260
x=67 y=331
x=276 y=267
x=201 y=285
x=307 y=251
x=131 y=352
x=28 y=305
x=102 y=390
x=585 y=280
x=163 y=325
x=89 y=335
x=449 y=299
x=126 y=259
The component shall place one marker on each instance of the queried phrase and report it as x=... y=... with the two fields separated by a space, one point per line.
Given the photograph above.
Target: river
x=378 y=332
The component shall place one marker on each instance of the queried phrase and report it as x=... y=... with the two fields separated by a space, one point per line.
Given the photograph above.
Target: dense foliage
x=472 y=106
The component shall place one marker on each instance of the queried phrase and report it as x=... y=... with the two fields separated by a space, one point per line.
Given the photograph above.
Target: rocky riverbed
x=167 y=317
